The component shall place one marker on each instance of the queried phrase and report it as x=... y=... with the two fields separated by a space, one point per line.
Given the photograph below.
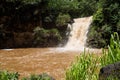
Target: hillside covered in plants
x=39 y=23
x=106 y=21
x=43 y=23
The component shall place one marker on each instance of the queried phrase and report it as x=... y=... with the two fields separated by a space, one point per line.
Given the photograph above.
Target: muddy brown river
x=37 y=61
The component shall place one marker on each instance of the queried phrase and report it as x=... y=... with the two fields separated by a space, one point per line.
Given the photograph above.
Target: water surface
x=36 y=61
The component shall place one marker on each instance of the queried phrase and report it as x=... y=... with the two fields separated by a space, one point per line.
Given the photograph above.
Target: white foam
x=8 y=49
x=78 y=35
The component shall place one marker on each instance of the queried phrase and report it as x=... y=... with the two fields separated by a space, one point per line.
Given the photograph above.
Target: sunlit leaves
x=62 y=4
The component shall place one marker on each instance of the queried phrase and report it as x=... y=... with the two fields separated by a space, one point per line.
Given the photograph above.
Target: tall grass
x=113 y=54
x=84 y=68
x=87 y=66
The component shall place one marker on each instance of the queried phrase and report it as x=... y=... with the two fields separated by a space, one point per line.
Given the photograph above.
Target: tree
x=105 y=22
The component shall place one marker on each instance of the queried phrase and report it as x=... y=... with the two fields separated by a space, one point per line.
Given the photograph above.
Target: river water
x=36 y=61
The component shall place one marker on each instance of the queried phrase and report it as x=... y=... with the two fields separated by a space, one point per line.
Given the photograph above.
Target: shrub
x=5 y=75
x=42 y=36
x=62 y=19
x=43 y=76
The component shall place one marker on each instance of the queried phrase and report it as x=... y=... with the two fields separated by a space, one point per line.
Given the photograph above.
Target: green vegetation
x=75 y=8
x=43 y=76
x=62 y=19
x=21 y=16
x=87 y=65
x=113 y=54
x=48 y=8
x=106 y=21
x=84 y=67
x=42 y=35
x=5 y=75
x=51 y=15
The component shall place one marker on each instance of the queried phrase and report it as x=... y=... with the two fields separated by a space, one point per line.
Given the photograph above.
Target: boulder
x=111 y=71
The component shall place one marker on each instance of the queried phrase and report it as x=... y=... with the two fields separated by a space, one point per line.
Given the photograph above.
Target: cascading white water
x=78 y=34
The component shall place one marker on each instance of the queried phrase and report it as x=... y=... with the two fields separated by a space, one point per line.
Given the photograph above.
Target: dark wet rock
x=111 y=71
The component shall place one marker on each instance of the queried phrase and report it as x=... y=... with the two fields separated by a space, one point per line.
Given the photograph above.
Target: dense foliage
x=42 y=36
x=5 y=75
x=43 y=76
x=20 y=16
x=25 y=15
x=105 y=21
x=75 y=8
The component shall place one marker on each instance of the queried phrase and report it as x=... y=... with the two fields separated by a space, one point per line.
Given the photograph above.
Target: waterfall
x=78 y=34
